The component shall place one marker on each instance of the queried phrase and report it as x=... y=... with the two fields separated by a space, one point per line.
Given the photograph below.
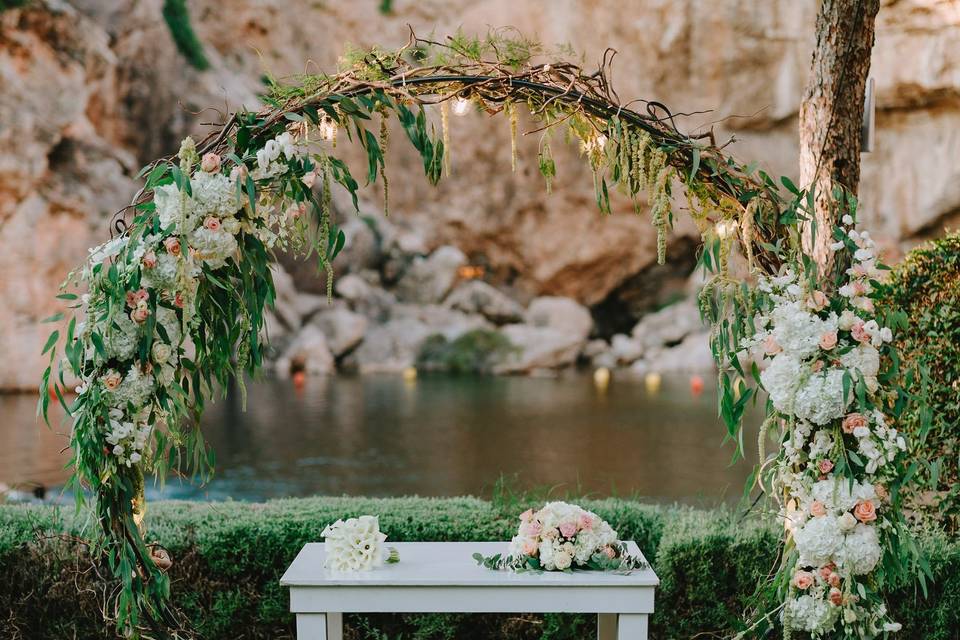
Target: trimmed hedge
x=229 y=557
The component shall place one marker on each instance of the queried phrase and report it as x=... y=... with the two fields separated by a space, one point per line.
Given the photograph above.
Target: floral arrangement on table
x=356 y=544
x=563 y=537
x=828 y=372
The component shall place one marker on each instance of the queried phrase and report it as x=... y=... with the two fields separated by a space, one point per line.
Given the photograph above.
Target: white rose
x=847 y=522
x=161 y=352
x=562 y=560
x=892 y=626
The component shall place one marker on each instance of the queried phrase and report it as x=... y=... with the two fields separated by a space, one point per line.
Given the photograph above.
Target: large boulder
x=344 y=329
x=564 y=314
x=389 y=347
x=690 y=356
x=625 y=349
x=537 y=348
x=476 y=296
x=308 y=352
x=449 y=323
x=669 y=326
x=430 y=279
x=364 y=297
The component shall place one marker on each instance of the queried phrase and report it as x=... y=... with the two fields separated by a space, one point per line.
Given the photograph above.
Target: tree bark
x=832 y=112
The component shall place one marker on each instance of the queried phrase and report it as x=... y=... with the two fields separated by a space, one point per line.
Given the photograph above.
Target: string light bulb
x=460 y=106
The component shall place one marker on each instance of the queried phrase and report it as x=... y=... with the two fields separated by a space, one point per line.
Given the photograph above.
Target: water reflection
x=384 y=436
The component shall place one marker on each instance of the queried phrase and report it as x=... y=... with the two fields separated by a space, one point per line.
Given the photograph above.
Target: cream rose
x=818 y=509
x=854 y=420
x=828 y=340
x=210 y=163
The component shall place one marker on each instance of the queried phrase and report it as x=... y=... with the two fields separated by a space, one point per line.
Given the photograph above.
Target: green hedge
x=229 y=557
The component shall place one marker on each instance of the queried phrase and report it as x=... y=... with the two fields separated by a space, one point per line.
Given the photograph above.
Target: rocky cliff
x=92 y=89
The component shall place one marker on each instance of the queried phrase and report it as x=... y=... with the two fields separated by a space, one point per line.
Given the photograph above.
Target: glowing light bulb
x=410 y=374
x=652 y=382
x=460 y=106
x=601 y=378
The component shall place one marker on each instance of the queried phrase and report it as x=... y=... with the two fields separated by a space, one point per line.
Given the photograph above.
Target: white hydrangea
x=820 y=398
x=164 y=275
x=818 y=540
x=860 y=551
x=214 y=194
x=171 y=324
x=136 y=389
x=838 y=495
x=781 y=380
x=213 y=247
x=120 y=339
x=810 y=614
x=169 y=206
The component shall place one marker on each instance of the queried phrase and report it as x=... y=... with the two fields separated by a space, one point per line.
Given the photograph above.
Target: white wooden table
x=443 y=577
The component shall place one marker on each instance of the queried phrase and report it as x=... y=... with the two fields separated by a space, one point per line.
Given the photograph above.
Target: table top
x=451 y=564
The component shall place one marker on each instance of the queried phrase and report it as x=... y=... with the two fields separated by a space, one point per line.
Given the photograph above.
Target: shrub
x=229 y=557
x=926 y=288
x=473 y=352
x=177 y=17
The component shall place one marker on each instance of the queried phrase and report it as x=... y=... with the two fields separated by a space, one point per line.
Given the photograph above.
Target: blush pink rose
x=530 y=546
x=803 y=580
x=149 y=259
x=865 y=511
x=859 y=333
x=854 y=420
x=825 y=572
x=112 y=380
x=771 y=347
x=530 y=528
x=817 y=366
x=178 y=300
x=210 y=163
x=568 y=529
x=172 y=245
x=140 y=314
x=828 y=340
x=834 y=580
x=825 y=466
x=526 y=515
x=586 y=522
x=818 y=509
x=818 y=300
x=610 y=552
x=836 y=597
x=211 y=223
x=134 y=298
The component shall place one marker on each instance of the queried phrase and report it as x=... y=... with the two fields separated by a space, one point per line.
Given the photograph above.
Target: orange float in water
x=696 y=385
x=299 y=378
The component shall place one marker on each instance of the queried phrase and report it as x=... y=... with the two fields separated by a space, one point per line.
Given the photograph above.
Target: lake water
x=436 y=436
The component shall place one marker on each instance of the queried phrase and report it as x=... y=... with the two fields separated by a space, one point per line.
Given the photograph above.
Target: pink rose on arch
x=818 y=300
x=526 y=515
x=212 y=223
x=828 y=340
x=140 y=314
x=210 y=163
x=134 y=298
x=834 y=580
x=854 y=420
x=825 y=466
x=865 y=511
x=836 y=597
x=825 y=571
x=568 y=529
x=818 y=509
x=771 y=347
x=530 y=528
x=529 y=546
x=172 y=245
x=149 y=259
x=610 y=552
x=803 y=580
x=859 y=333
x=178 y=300
x=586 y=522
x=817 y=366
x=111 y=380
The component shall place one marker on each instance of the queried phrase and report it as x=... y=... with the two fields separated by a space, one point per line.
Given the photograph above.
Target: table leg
x=319 y=626
x=632 y=626
x=606 y=626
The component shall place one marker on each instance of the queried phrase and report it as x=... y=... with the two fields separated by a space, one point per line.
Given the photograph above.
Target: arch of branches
x=171 y=310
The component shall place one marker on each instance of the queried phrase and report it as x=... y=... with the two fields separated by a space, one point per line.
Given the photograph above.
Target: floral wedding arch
x=172 y=308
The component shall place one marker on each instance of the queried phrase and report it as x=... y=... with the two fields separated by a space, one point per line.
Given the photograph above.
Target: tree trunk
x=832 y=112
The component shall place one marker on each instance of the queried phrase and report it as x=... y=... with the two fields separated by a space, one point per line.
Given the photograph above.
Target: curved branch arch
x=191 y=267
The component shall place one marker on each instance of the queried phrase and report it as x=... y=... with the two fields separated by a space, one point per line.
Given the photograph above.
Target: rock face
x=308 y=352
x=93 y=89
x=476 y=296
x=429 y=280
x=562 y=314
x=539 y=348
x=668 y=326
x=343 y=329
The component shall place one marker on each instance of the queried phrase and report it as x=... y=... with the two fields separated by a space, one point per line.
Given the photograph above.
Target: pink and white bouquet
x=561 y=537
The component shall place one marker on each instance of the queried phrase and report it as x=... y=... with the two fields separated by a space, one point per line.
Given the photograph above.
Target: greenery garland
x=172 y=308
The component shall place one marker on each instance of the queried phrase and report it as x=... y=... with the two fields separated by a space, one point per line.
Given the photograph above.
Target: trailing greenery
x=473 y=352
x=926 y=287
x=229 y=557
x=177 y=17
x=13 y=4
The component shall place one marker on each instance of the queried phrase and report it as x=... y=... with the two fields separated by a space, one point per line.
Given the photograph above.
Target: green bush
x=926 y=287
x=13 y=4
x=473 y=352
x=177 y=17
x=229 y=557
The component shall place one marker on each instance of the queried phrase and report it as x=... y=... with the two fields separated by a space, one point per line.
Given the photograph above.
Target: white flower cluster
x=127 y=438
x=355 y=544
x=269 y=163
x=562 y=536
x=810 y=614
